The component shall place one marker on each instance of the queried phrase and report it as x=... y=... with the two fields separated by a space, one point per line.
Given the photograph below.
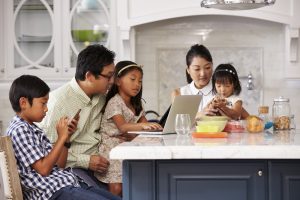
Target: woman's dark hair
x=223 y=74
x=136 y=101
x=93 y=58
x=196 y=51
x=27 y=86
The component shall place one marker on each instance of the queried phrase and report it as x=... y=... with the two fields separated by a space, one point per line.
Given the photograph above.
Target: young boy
x=39 y=164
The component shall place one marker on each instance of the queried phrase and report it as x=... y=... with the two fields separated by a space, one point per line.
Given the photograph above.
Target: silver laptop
x=185 y=104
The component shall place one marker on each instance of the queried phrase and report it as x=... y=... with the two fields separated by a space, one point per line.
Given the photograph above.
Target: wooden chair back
x=9 y=171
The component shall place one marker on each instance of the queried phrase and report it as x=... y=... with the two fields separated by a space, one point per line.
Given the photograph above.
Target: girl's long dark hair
x=225 y=73
x=136 y=101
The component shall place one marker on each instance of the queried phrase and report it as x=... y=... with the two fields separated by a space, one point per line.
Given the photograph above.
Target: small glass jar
x=281 y=113
x=263 y=113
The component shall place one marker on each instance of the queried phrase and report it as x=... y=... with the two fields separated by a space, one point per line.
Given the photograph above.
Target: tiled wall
x=171 y=72
x=254 y=46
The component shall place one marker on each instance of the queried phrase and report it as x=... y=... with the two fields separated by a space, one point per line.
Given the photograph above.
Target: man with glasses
x=86 y=91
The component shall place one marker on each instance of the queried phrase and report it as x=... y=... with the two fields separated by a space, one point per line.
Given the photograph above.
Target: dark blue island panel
x=284 y=180
x=211 y=180
x=139 y=180
x=194 y=179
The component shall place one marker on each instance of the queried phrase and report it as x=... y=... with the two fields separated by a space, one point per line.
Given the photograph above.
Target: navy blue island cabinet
x=210 y=179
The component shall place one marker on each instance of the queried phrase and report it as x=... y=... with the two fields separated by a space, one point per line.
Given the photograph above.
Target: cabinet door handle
x=2 y=70
x=260 y=173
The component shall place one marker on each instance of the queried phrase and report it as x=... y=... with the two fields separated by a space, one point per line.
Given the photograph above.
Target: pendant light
x=236 y=4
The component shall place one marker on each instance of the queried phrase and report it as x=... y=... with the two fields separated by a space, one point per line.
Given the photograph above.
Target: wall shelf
x=32 y=38
x=34 y=7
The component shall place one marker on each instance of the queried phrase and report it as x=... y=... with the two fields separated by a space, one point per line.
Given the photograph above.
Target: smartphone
x=76 y=116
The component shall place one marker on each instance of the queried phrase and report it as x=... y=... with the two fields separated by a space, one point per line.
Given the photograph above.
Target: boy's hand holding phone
x=65 y=127
x=62 y=129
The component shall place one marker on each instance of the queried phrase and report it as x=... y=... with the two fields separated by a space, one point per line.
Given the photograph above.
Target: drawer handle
x=260 y=173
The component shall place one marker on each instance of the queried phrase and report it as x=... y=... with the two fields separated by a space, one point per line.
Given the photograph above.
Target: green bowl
x=88 y=35
x=214 y=118
x=211 y=126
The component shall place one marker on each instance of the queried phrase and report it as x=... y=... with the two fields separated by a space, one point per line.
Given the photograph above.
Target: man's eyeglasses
x=107 y=76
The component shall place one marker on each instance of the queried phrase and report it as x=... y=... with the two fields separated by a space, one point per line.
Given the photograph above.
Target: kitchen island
x=243 y=166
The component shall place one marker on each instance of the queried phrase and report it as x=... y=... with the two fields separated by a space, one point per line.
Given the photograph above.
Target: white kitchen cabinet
x=43 y=37
x=135 y=12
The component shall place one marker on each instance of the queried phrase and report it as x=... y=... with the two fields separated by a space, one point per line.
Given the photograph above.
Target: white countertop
x=268 y=145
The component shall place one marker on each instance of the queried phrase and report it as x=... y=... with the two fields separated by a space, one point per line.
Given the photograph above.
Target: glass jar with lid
x=281 y=113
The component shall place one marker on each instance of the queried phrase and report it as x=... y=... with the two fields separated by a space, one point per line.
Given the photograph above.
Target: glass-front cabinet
x=44 y=37
x=89 y=25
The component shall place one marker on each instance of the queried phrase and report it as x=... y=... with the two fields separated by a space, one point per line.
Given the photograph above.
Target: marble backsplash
x=171 y=72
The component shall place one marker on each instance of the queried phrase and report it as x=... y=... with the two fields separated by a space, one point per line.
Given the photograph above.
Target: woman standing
x=198 y=73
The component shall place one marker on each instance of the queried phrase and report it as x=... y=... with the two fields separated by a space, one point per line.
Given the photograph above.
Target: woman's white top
x=205 y=92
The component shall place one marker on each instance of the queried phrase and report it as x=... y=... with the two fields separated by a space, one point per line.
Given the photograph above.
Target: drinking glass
x=183 y=140
x=182 y=124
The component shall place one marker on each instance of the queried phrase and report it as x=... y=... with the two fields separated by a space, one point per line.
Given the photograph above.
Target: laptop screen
x=179 y=106
x=182 y=104
x=163 y=119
